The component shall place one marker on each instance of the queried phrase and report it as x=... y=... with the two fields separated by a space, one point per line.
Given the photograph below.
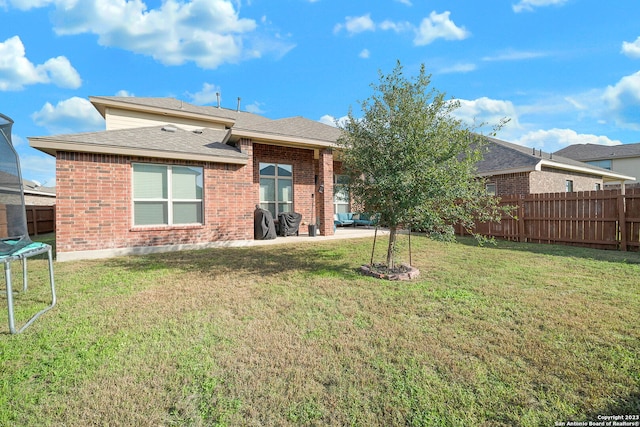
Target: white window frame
x=170 y=200
x=264 y=204
x=340 y=189
x=568 y=185
x=491 y=188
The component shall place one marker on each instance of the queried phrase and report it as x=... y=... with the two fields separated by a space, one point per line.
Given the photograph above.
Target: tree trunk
x=392 y=247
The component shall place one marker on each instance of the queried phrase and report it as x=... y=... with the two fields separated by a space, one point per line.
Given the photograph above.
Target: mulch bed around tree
x=381 y=271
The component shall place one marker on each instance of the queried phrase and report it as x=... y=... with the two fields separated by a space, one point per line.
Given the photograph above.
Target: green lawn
x=512 y=334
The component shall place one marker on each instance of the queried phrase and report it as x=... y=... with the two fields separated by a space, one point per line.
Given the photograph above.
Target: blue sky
x=563 y=71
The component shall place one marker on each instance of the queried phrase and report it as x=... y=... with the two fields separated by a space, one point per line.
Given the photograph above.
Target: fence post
x=34 y=217
x=622 y=222
x=521 y=236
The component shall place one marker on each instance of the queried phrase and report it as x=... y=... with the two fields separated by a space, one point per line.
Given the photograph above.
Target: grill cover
x=289 y=223
x=263 y=225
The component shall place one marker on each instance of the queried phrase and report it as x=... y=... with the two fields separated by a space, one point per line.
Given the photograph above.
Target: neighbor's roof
x=169 y=142
x=504 y=157
x=32 y=187
x=588 y=152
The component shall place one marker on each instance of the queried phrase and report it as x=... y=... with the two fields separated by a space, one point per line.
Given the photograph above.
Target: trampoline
x=15 y=243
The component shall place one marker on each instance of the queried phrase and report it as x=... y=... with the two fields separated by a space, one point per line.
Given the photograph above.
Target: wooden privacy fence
x=603 y=219
x=41 y=219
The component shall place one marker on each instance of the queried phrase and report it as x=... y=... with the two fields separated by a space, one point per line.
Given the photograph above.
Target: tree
x=412 y=162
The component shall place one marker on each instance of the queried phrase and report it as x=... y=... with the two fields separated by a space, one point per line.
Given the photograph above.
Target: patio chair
x=15 y=243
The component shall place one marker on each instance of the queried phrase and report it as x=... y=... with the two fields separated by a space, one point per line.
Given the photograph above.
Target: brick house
x=624 y=158
x=168 y=175
x=514 y=169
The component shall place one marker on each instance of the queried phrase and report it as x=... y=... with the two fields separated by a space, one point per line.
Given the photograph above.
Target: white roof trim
x=606 y=175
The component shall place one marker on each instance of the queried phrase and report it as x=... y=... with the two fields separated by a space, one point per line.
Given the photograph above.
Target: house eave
x=278 y=139
x=505 y=171
x=52 y=147
x=606 y=175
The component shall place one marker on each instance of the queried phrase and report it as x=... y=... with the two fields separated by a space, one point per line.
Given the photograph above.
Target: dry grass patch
x=294 y=335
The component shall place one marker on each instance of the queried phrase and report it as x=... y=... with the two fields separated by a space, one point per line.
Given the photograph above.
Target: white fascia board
x=506 y=171
x=606 y=175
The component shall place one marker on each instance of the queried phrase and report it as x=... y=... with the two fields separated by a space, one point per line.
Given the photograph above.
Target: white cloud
x=17 y=71
x=623 y=101
x=206 y=32
x=69 y=116
x=356 y=24
x=488 y=111
x=406 y=2
x=514 y=55
x=29 y=4
x=331 y=121
x=398 y=27
x=529 y=5
x=255 y=108
x=208 y=95
x=364 y=54
x=433 y=27
x=556 y=139
x=123 y=92
x=458 y=68
x=38 y=167
x=631 y=49
x=437 y=26
x=61 y=72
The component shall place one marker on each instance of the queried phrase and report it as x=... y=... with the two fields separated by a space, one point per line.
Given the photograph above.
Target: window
x=167 y=195
x=276 y=188
x=340 y=194
x=598 y=186
x=491 y=188
x=604 y=164
x=568 y=186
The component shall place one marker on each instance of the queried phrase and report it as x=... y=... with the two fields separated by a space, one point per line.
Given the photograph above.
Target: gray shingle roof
x=503 y=156
x=587 y=152
x=154 y=138
x=297 y=127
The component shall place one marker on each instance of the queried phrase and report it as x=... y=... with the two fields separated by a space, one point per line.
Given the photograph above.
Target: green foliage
x=410 y=160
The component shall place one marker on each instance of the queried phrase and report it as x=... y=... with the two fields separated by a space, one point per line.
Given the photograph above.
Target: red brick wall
x=512 y=183
x=94 y=204
x=546 y=181
x=554 y=181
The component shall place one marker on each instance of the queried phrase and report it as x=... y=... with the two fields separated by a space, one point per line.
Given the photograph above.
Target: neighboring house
x=623 y=159
x=168 y=175
x=38 y=195
x=514 y=169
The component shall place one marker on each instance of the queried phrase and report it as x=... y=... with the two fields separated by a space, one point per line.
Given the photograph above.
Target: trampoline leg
x=24 y=274
x=7 y=275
